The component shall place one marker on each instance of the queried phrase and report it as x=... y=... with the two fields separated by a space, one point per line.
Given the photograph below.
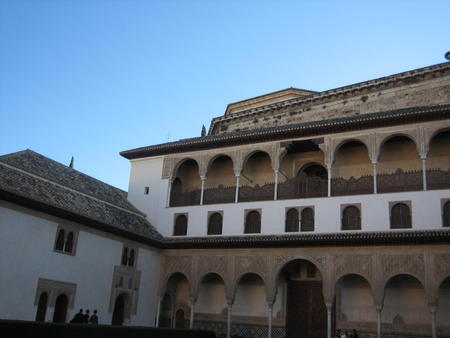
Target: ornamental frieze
x=353 y=264
x=216 y=264
x=172 y=264
x=251 y=264
x=398 y=264
x=442 y=266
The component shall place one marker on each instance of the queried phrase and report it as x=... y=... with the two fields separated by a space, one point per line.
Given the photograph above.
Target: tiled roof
x=34 y=180
x=384 y=118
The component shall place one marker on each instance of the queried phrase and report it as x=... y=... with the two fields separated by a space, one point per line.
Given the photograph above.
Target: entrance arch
x=306 y=313
x=42 y=307
x=59 y=316
x=179 y=319
x=119 y=310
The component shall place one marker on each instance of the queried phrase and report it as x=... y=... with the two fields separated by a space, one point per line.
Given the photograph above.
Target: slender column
x=275 y=191
x=329 y=180
x=424 y=172
x=433 y=322
x=378 y=321
x=169 y=190
x=329 y=324
x=269 y=321
x=236 y=197
x=191 y=321
x=202 y=189
x=375 y=189
x=230 y=308
x=158 y=310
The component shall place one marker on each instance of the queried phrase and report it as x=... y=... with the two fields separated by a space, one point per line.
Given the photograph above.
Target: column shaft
x=433 y=322
x=202 y=189
x=375 y=188
x=158 y=310
x=329 y=181
x=236 y=197
x=269 y=322
x=230 y=306
x=329 y=322
x=424 y=173
x=191 y=321
x=275 y=190
x=378 y=323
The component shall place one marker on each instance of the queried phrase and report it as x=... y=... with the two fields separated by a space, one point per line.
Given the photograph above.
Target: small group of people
x=85 y=318
x=345 y=334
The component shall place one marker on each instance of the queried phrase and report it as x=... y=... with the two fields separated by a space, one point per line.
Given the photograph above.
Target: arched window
x=215 y=224
x=291 y=223
x=69 y=243
x=351 y=218
x=124 y=256
x=42 y=307
x=131 y=258
x=59 y=316
x=446 y=215
x=400 y=216
x=253 y=223
x=307 y=220
x=60 y=240
x=180 y=228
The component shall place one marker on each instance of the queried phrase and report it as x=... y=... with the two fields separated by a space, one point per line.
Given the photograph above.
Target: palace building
x=299 y=213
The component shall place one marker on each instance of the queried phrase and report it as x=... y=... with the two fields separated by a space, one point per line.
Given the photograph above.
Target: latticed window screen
x=291 y=224
x=400 y=216
x=351 y=218
x=307 y=220
x=60 y=241
x=180 y=228
x=69 y=243
x=446 y=215
x=215 y=224
x=253 y=223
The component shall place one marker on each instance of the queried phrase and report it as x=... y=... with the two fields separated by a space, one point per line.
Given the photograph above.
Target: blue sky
x=91 y=78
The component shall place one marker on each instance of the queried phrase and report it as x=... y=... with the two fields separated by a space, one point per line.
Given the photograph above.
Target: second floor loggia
x=315 y=168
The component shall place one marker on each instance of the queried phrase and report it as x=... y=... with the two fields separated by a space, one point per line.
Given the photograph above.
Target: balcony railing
x=310 y=187
x=302 y=188
x=438 y=179
x=179 y=199
x=220 y=194
x=257 y=193
x=352 y=186
x=400 y=181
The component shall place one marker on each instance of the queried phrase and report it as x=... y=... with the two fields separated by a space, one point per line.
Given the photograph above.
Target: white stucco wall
x=375 y=213
x=27 y=240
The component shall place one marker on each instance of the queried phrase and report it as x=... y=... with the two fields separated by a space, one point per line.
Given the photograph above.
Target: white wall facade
x=426 y=207
x=27 y=240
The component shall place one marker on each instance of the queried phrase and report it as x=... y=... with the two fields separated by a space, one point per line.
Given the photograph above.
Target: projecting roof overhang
x=315 y=128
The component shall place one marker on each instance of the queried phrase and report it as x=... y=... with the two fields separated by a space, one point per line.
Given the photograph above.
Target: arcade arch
x=185 y=189
x=220 y=184
x=257 y=178
x=352 y=169
x=438 y=159
x=399 y=166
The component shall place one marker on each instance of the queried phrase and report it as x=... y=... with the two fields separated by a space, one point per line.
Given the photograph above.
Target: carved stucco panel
x=441 y=267
x=181 y=264
x=251 y=264
x=216 y=264
x=392 y=265
x=353 y=264
x=167 y=169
